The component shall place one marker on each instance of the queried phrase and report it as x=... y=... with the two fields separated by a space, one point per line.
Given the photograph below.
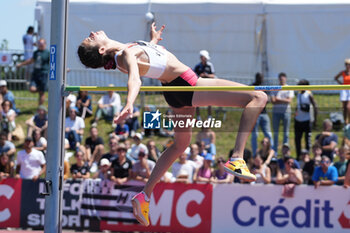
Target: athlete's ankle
x=146 y=196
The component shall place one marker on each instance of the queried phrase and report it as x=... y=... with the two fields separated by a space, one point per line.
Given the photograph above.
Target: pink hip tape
x=190 y=77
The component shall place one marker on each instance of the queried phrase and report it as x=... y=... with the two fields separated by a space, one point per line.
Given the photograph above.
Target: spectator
x=7 y=146
x=38 y=82
x=286 y=154
x=183 y=170
x=345 y=94
x=5 y=94
x=201 y=148
x=205 y=173
x=247 y=156
x=6 y=167
x=84 y=104
x=261 y=170
x=80 y=170
x=341 y=164
x=133 y=121
x=40 y=143
x=325 y=174
x=263 y=120
x=8 y=116
x=104 y=171
x=303 y=117
x=290 y=174
x=307 y=166
x=135 y=148
x=207 y=136
x=94 y=146
x=153 y=152
x=194 y=156
x=347 y=175
x=204 y=69
x=121 y=131
x=143 y=167
x=28 y=44
x=74 y=128
x=221 y=176
x=113 y=150
x=327 y=139
x=128 y=148
x=317 y=151
x=71 y=101
x=31 y=163
x=281 y=111
x=266 y=152
x=304 y=158
x=121 y=167
x=109 y=106
x=38 y=121
x=275 y=169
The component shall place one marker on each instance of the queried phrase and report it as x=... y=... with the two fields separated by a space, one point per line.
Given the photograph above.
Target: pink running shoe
x=140 y=208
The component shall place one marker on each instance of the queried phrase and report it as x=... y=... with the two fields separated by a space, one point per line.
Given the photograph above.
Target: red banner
x=10 y=202
x=174 y=208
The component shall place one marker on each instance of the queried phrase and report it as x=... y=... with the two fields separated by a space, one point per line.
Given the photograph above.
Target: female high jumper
x=147 y=59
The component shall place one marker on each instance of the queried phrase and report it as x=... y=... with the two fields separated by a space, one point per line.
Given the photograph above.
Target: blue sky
x=15 y=17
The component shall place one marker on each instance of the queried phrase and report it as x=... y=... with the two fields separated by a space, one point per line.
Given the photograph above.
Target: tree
x=4 y=44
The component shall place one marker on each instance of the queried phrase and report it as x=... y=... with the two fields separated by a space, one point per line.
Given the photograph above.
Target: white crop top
x=157 y=58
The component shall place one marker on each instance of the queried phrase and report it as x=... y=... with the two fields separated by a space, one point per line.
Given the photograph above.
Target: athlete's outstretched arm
x=134 y=84
x=156 y=36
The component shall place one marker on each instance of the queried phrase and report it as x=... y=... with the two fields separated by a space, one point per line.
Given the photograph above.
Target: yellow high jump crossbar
x=215 y=88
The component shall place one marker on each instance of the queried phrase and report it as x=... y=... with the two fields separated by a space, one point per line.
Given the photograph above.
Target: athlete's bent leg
x=252 y=101
x=182 y=139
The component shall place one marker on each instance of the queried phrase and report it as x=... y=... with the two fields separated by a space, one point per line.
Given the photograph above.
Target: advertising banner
x=261 y=208
x=97 y=205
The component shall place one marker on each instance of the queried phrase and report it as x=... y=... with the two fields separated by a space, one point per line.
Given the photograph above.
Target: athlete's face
x=98 y=38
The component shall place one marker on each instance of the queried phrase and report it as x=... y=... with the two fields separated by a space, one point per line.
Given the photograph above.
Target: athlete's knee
x=260 y=97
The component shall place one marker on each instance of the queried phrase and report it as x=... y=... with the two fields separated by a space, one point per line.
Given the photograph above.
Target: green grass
x=225 y=137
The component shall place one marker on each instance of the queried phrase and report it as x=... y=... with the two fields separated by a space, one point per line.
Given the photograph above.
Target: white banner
x=262 y=208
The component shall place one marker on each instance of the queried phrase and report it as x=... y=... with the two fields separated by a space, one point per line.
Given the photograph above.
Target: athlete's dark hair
x=90 y=57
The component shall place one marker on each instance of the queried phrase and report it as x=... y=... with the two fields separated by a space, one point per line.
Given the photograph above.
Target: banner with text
x=262 y=208
x=101 y=205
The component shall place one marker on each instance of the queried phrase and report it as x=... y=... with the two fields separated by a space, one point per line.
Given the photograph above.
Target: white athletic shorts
x=345 y=95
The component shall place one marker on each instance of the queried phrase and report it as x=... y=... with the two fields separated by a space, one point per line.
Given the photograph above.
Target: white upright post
x=56 y=116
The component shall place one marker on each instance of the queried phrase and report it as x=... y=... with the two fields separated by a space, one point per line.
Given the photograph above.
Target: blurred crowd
x=131 y=152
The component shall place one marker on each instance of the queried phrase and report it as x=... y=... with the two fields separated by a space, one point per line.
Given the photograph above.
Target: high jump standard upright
x=56 y=116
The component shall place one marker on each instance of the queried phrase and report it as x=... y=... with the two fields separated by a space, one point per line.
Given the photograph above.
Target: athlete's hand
x=156 y=35
x=125 y=113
